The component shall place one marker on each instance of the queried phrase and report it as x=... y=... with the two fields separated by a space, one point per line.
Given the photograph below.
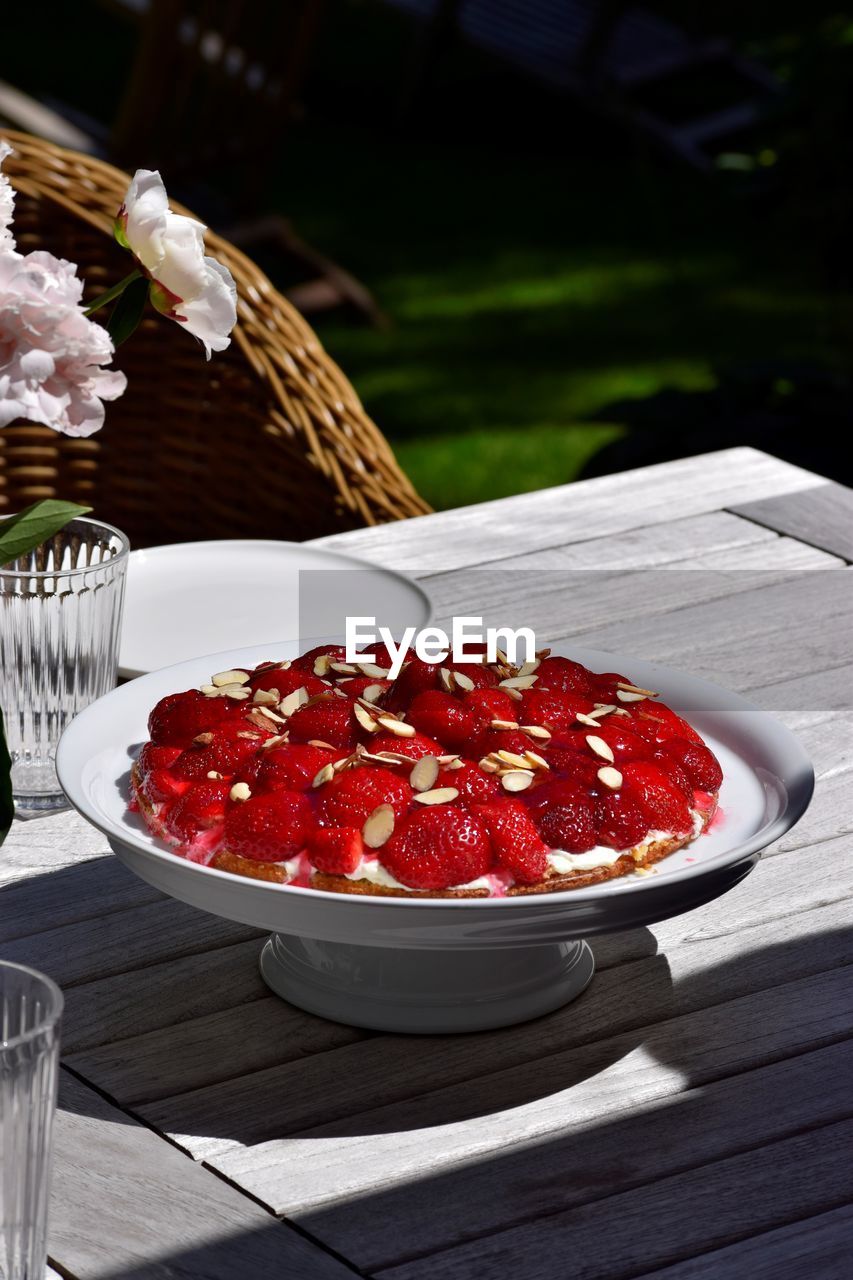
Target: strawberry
x=499 y=740
x=355 y=686
x=569 y=762
x=444 y=717
x=699 y=762
x=415 y=747
x=199 y=810
x=664 y=759
x=624 y=744
x=563 y=674
x=232 y=743
x=474 y=786
x=350 y=798
x=415 y=677
x=620 y=819
x=286 y=681
x=438 y=848
x=664 y=804
x=564 y=815
x=553 y=708
x=336 y=850
x=493 y=704
x=381 y=656
x=665 y=722
x=329 y=719
x=480 y=676
x=151 y=757
x=515 y=840
x=292 y=767
x=179 y=717
x=268 y=828
x=160 y=785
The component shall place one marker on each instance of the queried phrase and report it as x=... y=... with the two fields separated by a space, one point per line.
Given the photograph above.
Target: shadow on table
x=755 y=1054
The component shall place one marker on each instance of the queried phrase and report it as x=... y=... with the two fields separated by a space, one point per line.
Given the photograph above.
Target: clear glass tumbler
x=30 y=1013
x=60 y=621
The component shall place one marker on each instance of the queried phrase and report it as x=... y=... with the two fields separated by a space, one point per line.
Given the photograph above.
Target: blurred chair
x=268 y=439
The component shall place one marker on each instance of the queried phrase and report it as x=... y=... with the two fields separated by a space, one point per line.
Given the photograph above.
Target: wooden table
x=690 y=1116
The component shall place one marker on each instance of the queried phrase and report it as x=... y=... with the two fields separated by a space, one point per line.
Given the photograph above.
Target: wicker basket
x=267 y=439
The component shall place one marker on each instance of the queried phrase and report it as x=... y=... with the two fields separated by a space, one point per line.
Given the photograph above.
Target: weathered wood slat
x=577 y=512
x=819 y=1247
x=572 y=1168
x=394 y=1076
x=82 y=891
x=821 y=516
x=124 y=940
x=657 y=1224
x=126 y=1203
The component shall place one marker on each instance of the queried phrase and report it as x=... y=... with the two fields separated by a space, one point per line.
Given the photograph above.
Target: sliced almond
x=214 y=776
x=602 y=709
x=397 y=727
x=223 y=678
x=588 y=720
x=240 y=791
x=293 y=701
x=259 y=721
x=455 y=764
x=424 y=773
x=202 y=739
x=535 y=760
x=625 y=695
x=517 y=780
x=463 y=681
x=503 y=724
x=266 y=697
x=620 y=711
x=260 y=715
x=515 y=694
x=247 y=733
x=365 y=719
x=537 y=731
x=489 y=765
x=527 y=668
x=448 y=759
x=318 y=742
x=373 y=692
x=519 y=682
x=275 y=741
x=610 y=777
x=236 y=691
x=322 y=665
x=371 y=669
x=323 y=775
x=378 y=827
x=209 y=690
x=389 y=757
x=599 y=747
x=345 y=668
x=440 y=795
x=448 y=679
x=510 y=757
x=635 y=688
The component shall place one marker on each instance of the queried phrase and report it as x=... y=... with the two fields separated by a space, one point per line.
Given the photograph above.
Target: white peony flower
x=51 y=355
x=7 y=202
x=186 y=286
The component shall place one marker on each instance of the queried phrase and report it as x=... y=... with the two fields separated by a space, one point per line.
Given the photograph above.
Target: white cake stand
x=436 y=965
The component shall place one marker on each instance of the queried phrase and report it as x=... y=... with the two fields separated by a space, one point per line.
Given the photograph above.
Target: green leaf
x=7 y=804
x=127 y=312
x=32 y=526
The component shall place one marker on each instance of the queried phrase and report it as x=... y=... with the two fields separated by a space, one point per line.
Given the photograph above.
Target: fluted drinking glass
x=60 y=620
x=30 y=1013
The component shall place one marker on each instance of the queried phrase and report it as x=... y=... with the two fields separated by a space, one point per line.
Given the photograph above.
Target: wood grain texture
x=821 y=516
x=126 y=1203
x=537 y=1179
x=819 y=1248
x=577 y=512
x=623 y=1234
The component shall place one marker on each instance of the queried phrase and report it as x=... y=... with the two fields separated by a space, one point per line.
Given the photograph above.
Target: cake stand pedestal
x=426 y=991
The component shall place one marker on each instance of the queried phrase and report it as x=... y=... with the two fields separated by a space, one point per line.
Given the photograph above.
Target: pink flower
x=7 y=202
x=196 y=290
x=51 y=355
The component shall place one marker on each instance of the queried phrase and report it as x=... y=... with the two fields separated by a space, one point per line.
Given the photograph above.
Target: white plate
x=420 y=964
x=200 y=597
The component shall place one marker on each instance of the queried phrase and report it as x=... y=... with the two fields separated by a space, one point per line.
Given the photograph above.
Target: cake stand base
x=428 y=991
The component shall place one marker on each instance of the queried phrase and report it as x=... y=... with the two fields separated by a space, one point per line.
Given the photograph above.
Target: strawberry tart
x=452 y=781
